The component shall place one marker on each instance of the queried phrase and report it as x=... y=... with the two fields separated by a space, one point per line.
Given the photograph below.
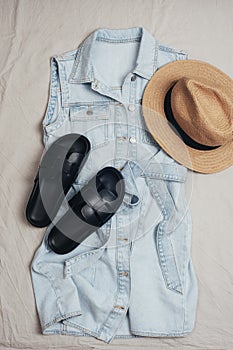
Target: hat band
x=178 y=130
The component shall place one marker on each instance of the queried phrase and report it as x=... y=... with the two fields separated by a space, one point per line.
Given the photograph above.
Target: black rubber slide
x=59 y=167
x=89 y=209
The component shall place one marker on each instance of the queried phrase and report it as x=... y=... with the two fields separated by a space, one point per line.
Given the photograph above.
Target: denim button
x=119 y=307
x=89 y=112
x=132 y=139
x=131 y=108
x=133 y=78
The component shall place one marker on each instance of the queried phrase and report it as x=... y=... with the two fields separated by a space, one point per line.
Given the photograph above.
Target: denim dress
x=134 y=276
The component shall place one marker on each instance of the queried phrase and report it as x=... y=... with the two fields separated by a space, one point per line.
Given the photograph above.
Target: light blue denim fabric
x=134 y=276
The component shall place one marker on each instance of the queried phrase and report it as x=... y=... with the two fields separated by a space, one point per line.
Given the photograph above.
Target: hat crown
x=203 y=111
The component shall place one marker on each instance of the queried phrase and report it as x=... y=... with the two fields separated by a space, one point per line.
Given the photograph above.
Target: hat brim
x=209 y=161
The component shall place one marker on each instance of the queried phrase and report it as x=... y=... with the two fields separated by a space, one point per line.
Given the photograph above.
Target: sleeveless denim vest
x=134 y=276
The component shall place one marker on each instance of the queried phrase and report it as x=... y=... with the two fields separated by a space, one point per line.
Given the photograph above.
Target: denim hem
x=157 y=334
x=77 y=334
x=135 y=334
x=82 y=331
x=59 y=319
x=85 y=330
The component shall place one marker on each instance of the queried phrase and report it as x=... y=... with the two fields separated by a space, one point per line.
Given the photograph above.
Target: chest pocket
x=91 y=121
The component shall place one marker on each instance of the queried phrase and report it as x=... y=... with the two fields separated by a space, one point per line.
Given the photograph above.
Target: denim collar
x=146 y=62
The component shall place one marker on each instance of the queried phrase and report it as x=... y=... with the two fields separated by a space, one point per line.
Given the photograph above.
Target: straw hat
x=188 y=109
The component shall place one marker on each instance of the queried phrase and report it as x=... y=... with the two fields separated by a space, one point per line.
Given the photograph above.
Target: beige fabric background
x=31 y=32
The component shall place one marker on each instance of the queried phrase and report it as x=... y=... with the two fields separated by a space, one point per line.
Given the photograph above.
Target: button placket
x=132 y=118
x=123 y=263
x=121 y=148
x=123 y=250
x=121 y=303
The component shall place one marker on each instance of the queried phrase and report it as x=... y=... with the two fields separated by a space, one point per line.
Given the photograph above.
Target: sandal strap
x=94 y=200
x=56 y=167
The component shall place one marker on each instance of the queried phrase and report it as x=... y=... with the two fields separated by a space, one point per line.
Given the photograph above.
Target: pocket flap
x=89 y=112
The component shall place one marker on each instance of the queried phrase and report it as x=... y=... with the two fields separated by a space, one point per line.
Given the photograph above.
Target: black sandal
x=57 y=171
x=88 y=210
